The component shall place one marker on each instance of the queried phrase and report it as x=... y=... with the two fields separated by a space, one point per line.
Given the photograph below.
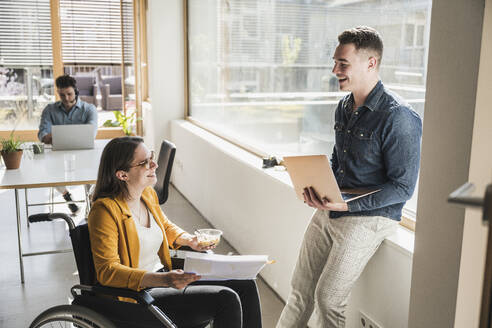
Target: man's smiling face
x=351 y=67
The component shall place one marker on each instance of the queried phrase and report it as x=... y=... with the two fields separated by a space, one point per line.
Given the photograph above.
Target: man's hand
x=47 y=139
x=312 y=199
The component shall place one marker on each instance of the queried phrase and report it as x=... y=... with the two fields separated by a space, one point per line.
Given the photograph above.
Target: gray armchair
x=111 y=95
x=88 y=88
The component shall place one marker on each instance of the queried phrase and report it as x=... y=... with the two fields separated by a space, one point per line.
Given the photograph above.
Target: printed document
x=224 y=267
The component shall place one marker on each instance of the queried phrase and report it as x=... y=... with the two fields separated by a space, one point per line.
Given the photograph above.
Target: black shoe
x=73 y=208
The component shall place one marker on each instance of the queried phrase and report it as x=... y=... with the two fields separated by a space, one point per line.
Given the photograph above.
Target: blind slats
x=91 y=31
x=25 y=33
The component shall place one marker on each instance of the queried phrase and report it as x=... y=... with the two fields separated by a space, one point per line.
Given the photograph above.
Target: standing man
x=377 y=146
x=70 y=110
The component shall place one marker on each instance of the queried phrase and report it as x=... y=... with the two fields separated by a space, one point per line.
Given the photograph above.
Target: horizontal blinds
x=91 y=31
x=25 y=33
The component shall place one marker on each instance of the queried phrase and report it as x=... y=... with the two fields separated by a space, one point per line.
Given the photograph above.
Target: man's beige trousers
x=333 y=254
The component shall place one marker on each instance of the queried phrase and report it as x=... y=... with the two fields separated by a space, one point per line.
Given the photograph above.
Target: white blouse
x=150 y=242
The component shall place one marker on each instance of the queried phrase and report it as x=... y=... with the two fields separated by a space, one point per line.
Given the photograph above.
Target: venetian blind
x=92 y=31
x=25 y=33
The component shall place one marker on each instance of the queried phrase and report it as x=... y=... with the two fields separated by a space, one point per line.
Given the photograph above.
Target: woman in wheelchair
x=130 y=239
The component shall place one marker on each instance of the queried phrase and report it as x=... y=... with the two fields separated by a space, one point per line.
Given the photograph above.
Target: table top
x=48 y=169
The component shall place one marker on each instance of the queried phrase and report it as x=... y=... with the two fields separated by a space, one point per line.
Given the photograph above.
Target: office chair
x=87 y=295
x=163 y=172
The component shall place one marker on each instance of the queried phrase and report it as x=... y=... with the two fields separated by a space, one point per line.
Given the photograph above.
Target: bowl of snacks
x=208 y=237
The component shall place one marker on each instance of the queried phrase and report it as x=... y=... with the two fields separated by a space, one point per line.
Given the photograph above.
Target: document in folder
x=315 y=171
x=224 y=267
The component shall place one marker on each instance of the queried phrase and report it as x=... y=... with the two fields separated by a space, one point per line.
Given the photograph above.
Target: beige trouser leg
x=333 y=254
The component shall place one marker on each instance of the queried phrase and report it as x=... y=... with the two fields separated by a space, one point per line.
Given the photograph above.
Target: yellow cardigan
x=114 y=240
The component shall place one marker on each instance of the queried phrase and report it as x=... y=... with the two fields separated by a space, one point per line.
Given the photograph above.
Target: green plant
x=11 y=144
x=125 y=121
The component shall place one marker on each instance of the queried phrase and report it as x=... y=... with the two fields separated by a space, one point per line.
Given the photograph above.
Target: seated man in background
x=70 y=110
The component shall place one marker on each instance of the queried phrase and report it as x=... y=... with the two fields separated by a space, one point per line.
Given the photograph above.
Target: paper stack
x=224 y=267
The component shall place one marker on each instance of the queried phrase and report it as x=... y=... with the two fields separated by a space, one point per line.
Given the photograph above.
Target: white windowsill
x=403 y=240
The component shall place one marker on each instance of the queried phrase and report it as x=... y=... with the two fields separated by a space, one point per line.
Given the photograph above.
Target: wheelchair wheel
x=66 y=316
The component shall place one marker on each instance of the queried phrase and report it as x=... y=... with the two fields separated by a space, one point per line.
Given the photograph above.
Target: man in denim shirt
x=70 y=110
x=377 y=147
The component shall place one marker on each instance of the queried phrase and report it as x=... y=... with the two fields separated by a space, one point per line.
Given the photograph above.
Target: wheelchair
x=94 y=305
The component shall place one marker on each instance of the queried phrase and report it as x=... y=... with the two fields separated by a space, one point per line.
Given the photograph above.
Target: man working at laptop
x=377 y=146
x=70 y=110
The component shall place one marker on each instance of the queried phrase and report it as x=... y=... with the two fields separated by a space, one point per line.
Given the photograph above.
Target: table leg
x=19 y=240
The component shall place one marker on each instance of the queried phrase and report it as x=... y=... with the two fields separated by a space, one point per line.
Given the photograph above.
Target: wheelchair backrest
x=81 y=245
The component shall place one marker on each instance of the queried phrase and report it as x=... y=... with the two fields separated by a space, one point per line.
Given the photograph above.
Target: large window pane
x=25 y=62
x=260 y=70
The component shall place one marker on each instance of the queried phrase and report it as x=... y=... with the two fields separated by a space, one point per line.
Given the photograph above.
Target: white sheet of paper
x=224 y=267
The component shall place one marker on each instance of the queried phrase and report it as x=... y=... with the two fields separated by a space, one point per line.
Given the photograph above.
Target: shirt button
x=345 y=150
x=341 y=171
x=348 y=131
x=362 y=134
x=356 y=113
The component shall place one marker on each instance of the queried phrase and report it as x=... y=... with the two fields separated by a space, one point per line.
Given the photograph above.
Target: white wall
x=260 y=214
x=166 y=78
x=455 y=38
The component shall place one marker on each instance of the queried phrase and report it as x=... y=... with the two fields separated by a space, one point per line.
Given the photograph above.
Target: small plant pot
x=12 y=159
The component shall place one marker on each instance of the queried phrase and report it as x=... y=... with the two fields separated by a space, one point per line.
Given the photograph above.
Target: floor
x=48 y=278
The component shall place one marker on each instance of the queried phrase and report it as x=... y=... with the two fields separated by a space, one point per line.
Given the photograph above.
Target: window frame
x=139 y=61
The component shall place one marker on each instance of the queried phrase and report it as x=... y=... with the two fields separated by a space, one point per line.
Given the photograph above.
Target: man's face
x=67 y=96
x=353 y=68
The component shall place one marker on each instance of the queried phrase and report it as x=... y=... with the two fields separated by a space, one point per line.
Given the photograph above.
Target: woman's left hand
x=193 y=243
x=189 y=240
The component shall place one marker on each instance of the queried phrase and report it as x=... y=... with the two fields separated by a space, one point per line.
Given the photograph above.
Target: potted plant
x=125 y=121
x=11 y=152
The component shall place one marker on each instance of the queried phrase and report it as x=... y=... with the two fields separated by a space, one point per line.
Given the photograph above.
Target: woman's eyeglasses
x=146 y=163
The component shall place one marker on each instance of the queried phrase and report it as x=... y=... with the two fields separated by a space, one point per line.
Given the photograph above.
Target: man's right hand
x=47 y=139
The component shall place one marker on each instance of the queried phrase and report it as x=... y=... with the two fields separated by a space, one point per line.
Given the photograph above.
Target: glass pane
x=260 y=71
x=24 y=92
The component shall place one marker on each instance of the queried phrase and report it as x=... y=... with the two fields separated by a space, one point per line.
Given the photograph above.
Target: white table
x=48 y=170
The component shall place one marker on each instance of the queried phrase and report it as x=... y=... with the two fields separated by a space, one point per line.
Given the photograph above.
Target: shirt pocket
x=363 y=143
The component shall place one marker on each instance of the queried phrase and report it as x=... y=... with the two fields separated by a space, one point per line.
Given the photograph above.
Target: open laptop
x=72 y=136
x=315 y=171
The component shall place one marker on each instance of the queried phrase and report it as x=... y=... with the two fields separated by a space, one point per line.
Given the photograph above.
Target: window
x=26 y=67
x=260 y=71
x=97 y=45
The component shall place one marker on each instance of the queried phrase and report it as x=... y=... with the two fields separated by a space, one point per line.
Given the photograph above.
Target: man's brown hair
x=363 y=37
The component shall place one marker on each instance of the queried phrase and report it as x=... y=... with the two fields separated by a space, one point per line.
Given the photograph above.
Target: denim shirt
x=55 y=114
x=377 y=146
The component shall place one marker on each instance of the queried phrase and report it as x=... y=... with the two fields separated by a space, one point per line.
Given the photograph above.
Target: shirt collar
x=374 y=96
x=78 y=104
x=371 y=100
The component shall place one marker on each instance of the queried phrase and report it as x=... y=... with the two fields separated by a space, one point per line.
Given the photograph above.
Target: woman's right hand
x=176 y=279
x=179 y=279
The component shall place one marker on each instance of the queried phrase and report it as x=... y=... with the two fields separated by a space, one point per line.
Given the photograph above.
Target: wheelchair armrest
x=142 y=297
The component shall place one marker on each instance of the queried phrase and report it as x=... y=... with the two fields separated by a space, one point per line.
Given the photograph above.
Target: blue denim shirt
x=55 y=114
x=377 y=146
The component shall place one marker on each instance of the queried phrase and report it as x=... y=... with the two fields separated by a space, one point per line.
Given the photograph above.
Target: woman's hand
x=176 y=279
x=192 y=241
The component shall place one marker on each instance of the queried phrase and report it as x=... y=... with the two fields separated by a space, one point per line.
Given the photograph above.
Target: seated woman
x=130 y=238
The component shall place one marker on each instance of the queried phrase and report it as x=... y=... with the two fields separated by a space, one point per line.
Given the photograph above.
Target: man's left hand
x=312 y=199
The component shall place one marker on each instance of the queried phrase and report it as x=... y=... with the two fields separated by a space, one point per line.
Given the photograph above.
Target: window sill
x=403 y=240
